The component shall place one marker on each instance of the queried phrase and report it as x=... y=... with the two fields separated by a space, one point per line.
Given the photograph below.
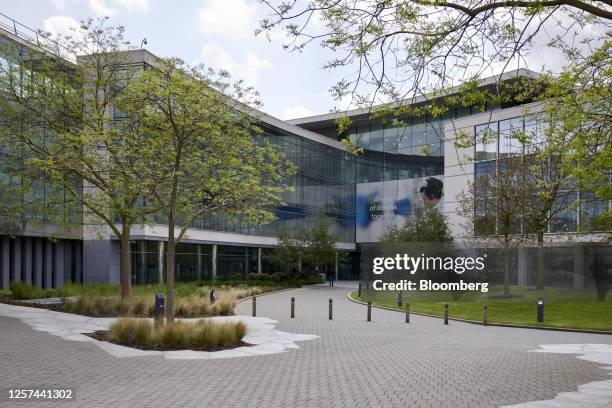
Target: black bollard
x=292 y=307
x=330 y=309
x=446 y=314
x=540 y=310
x=407 y=312
x=159 y=308
x=212 y=296
x=485 y=314
x=369 y=311
x=254 y=306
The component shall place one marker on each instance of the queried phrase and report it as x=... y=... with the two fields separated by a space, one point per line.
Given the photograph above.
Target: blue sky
x=218 y=33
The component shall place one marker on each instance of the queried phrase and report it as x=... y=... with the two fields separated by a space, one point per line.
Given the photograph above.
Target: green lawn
x=577 y=314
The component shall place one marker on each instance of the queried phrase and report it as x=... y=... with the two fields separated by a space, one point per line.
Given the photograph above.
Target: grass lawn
x=562 y=308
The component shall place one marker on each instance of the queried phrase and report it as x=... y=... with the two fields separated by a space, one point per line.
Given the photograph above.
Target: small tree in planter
x=205 y=152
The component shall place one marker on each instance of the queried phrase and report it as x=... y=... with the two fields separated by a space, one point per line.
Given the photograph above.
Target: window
x=510 y=133
x=486 y=141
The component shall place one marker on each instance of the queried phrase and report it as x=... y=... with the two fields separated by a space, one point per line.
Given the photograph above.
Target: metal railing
x=36 y=38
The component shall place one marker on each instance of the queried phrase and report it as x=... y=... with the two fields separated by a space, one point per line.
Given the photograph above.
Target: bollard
x=369 y=311
x=540 y=310
x=292 y=307
x=446 y=314
x=485 y=314
x=407 y=312
x=399 y=299
x=359 y=290
x=330 y=309
x=254 y=306
x=212 y=296
x=159 y=308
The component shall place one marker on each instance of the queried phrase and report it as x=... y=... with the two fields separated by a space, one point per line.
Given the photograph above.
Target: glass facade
x=324 y=184
x=397 y=153
x=502 y=139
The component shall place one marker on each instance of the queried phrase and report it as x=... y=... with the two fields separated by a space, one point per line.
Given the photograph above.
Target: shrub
x=203 y=334
x=24 y=291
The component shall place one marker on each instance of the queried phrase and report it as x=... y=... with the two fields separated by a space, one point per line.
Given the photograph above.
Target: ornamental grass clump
x=201 y=335
x=131 y=332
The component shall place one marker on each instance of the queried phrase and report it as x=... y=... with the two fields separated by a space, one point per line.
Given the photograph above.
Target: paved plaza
x=354 y=363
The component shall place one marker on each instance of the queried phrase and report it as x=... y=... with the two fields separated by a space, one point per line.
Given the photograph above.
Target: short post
x=485 y=314
x=292 y=307
x=254 y=306
x=407 y=312
x=212 y=296
x=159 y=309
x=359 y=290
x=446 y=313
x=540 y=310
x=330 y=309
x=399 y=298
x=369 y=311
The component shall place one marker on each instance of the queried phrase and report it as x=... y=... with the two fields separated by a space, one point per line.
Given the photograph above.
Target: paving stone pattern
x=383 y=363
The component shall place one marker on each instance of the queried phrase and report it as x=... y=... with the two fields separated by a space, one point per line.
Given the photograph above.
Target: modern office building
x=363 y=195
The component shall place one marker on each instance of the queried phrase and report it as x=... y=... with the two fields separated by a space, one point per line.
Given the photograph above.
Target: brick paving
x=383 y=363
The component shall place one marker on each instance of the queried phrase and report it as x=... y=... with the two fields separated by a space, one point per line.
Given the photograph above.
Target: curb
x=516 y=326
x=265 y=294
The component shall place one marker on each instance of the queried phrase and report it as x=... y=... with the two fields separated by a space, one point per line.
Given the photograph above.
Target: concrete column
x=579 y=261
x=143 y=261
x=214 y=262
x=160 y=262
x=38 y=262
x=523 y=264
x=259 y=268
x=5 y=266
x=28 y=258
x=336 y=267
x=59 y=264
x=48 y=267
x=199 y=261
x=78 y=262
x=246 y=262
x=17 y=259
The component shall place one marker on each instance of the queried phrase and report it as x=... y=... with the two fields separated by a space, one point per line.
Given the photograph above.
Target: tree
x=289 y=252
x=59 y=119
x=321 y=244
x=426 y=224
x=494 y=207
x=204 y=151
x=400 y=49
x=397 y=50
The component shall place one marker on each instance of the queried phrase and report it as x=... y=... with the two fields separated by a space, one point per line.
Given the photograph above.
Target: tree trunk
x=540 y=271
x=125 y=261
x=170 y=272
x=506 y=272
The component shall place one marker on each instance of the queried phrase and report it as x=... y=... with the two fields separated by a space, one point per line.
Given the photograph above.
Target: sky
x=217 y=33
x=220 y=34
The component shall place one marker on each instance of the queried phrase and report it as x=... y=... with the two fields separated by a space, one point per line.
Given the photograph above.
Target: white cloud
x=100 y=8
x=133 y=5
x=60 y=25
x=213 y=55
x=230 y=18
x=59 y=4
x=294 y=112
